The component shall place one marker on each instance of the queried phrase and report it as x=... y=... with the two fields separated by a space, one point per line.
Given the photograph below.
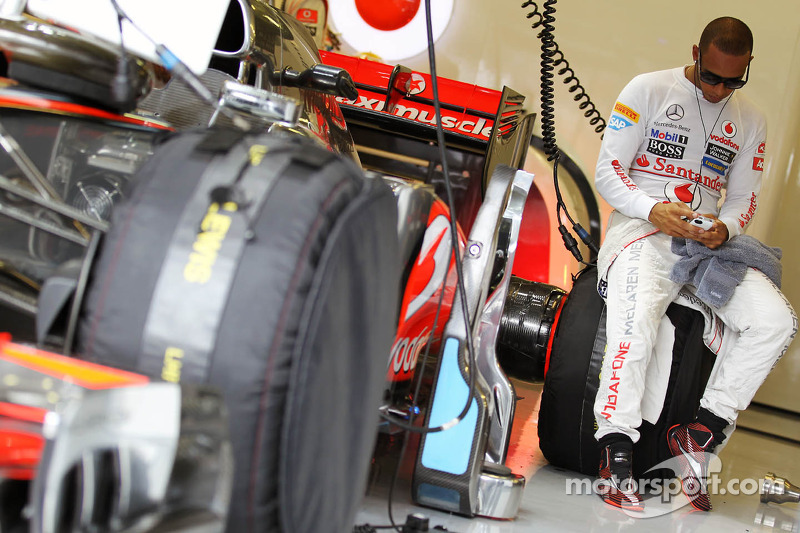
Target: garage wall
x=607 y=42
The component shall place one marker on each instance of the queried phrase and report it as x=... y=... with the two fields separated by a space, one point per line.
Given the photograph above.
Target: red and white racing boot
x=691 y=445
x=618 y=487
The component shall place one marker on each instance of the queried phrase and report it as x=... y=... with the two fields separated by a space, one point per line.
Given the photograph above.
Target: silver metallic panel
x=499 y=495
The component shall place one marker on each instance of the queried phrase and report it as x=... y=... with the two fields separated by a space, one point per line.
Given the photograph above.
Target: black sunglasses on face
x=713 y=79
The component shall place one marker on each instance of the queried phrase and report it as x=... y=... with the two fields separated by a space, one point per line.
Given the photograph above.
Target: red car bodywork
x=469 y=111
x=34 y=380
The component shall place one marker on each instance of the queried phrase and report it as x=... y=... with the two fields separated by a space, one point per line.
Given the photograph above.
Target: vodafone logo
x=405 y=352
x=723 y=140
x=308 y=15
x=416 y=84
x=729 y=129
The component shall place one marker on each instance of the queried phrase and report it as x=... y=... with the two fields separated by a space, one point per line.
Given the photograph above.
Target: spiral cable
x=549 y=49
x=586 y=105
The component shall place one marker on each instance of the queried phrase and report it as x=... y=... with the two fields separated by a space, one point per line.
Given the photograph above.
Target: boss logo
x=665 y=149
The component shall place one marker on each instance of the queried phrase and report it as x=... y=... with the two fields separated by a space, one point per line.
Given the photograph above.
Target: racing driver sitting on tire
x=675 y=139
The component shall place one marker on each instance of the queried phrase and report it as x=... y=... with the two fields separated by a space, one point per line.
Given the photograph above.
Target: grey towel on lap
x=716 y=273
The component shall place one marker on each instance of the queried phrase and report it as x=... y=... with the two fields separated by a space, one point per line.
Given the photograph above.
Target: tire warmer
x=292 y=251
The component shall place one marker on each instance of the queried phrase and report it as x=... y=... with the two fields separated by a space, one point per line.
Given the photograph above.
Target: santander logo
x=642 y=161
x=683 y=193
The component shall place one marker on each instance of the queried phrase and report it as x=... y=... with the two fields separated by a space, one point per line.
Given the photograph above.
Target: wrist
x=731 y=228
x=651 y=210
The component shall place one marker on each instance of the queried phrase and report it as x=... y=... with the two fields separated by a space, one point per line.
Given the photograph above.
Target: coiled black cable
x=553 y=50
x=550 y=49
x=591 y=112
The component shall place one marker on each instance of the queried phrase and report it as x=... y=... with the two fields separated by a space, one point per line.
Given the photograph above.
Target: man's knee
x=778 y=322
x=788 y=322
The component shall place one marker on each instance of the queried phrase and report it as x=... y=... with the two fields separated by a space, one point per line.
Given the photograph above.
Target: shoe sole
x=618 y=505
x=619 y=500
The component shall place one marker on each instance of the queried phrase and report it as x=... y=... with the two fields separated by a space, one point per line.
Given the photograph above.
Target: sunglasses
x=713 y=79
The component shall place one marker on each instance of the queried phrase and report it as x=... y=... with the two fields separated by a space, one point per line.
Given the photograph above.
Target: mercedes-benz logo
x=675 y=112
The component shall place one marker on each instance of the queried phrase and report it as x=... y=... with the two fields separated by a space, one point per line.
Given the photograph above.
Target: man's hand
x=667 y=218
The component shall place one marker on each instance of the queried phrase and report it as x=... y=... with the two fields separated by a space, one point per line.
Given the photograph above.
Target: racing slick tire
x=267 y=266
x=566 y=416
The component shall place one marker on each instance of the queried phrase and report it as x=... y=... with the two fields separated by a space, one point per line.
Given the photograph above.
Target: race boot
x=618 y=488
x=691 y=444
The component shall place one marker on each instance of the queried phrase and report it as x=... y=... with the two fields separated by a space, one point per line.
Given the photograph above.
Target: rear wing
x=468 y=111
x=393 y=123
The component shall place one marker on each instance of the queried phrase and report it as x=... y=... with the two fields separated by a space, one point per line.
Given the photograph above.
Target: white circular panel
x=407 y=41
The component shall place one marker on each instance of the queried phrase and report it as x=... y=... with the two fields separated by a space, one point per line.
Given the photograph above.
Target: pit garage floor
x=546 y=505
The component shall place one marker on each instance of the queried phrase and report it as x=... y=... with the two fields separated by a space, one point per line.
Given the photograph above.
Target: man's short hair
x=730 y=35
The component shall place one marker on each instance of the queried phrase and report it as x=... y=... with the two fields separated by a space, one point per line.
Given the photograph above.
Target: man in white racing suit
x=675 y=140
